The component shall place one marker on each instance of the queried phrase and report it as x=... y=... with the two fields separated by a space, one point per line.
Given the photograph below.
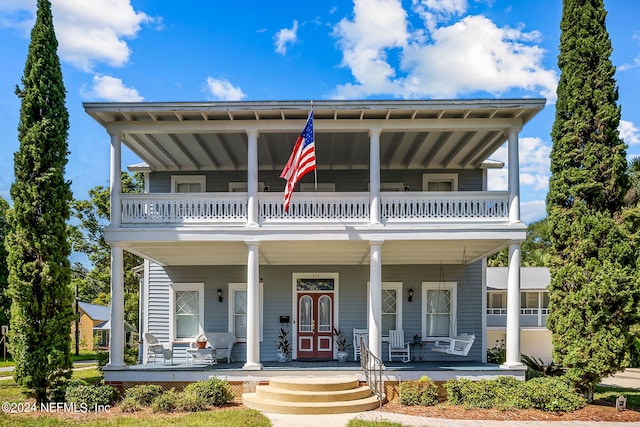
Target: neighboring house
x=94 y=326
x=535 y=338
x=394 y=237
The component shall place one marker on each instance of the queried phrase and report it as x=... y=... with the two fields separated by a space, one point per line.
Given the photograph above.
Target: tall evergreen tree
x=593 y=292
x=5 y=302
x=39 y=271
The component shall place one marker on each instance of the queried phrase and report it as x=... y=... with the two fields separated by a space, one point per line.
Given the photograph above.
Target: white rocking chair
x=397 y=346
x=459 y=345
x=357 y=334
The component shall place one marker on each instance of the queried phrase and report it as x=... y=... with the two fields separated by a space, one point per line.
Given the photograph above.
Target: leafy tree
x=88 y=238
x=37 y=244
x=535 y=250
x=5 y=302
x=594 y=293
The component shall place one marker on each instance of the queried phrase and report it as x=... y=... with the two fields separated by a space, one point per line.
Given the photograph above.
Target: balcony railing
x=321 y=208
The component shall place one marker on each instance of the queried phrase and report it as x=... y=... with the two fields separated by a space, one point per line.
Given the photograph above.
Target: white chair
x=222 y=342
x=154 y=348
x=397 y=346
x=458 y=345
x=357 y=335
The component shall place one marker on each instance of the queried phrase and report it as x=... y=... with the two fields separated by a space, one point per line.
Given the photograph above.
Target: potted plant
x=342 y=344
x=283 y=345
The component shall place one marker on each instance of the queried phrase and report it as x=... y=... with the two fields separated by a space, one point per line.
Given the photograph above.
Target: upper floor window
x=440 y=182
x=188 y=183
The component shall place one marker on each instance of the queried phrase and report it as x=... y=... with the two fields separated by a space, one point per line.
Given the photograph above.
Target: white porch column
x=115 y=179
x=513 y=309
x=252 y=177
x=374 y=175
x=375 y=298
x=514 y=177
x=116 y=338
x=253 y=306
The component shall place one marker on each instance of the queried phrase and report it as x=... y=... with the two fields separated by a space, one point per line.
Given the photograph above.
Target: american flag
x=301 y=161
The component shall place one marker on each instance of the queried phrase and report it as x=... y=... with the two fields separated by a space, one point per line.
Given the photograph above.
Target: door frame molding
x=294 y=305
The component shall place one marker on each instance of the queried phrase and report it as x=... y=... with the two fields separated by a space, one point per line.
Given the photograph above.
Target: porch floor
x=393 y=371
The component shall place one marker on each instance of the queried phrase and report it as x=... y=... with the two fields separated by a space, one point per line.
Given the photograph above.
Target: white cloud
x=88 y=32
x=534 y=162
x=223 y=90
x=470 y=55
x=378 y=25
x=286 y=37
x=533 y=211
x=629 y=132
x=109 y=88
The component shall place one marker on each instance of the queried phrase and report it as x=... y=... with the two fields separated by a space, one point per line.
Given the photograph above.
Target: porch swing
x=458 y=345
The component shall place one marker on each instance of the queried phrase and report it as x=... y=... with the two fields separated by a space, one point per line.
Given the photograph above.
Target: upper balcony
x=315 y=209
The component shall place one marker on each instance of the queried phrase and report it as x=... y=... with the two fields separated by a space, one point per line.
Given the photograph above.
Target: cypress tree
x=38 y=250
x=594 y=290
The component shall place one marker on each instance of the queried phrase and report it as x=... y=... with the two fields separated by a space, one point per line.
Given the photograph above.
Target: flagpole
x=315 y=171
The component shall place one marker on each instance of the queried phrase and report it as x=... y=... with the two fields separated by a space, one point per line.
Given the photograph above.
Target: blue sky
x=164 y=50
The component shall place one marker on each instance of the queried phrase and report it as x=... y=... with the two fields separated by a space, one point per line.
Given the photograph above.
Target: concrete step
x=250 y=400
x=284 y=395
x=311 y=395
x=315 y=383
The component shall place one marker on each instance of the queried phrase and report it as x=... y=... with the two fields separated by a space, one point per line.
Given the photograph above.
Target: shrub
x=553 y=394
x=90 y=395
x=129 y=404
x=506 y=392
x=190 y=402
x=497 y=354
x=166 y=402
x=143 y=395
x=215 y=391
x=422 y=392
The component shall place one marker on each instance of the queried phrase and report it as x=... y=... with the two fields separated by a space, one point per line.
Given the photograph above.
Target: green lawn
x=610 y=394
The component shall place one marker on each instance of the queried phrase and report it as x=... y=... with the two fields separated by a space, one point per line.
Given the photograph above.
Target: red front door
x=315 y=325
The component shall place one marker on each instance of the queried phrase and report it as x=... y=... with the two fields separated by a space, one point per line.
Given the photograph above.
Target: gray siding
x=352 y=295
x=345 y=180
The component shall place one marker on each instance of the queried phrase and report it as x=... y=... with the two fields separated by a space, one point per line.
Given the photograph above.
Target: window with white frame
x=238 y=310
x=496 y=302
x=440 y=182
x=188 y=183
x=391 y=306
x=186 y=302
x=439 y=303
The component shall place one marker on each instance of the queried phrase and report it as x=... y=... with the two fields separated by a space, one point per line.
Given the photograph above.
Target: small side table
x=206 y=354
x=417 y=350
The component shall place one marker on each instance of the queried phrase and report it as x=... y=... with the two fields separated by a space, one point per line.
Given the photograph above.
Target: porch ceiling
x=315 y=252
x=415 y=134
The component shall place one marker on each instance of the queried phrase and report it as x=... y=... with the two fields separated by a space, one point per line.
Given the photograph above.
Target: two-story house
x=393 y=237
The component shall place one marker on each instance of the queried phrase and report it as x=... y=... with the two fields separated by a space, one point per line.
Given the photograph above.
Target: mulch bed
x=598 y=411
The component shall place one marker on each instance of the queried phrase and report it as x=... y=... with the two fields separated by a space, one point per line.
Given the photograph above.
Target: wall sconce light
x=410 y=294
x=219 y=295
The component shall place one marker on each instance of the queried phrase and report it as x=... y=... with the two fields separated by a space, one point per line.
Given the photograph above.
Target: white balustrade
x=467 y=205
x=313 y=207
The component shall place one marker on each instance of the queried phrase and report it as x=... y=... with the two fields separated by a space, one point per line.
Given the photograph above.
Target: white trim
x=232 y=287
x=199 y=287
x=453 y=288
x=294 y=304
x=189 y=179
x=396 y=286
x=440 y=177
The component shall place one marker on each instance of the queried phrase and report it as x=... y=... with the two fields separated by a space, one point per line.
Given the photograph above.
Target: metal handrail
x=372 y=367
